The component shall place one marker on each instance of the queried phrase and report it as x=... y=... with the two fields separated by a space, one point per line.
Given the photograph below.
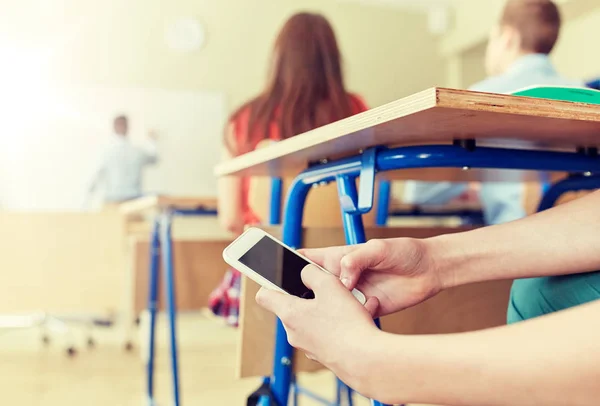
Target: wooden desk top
x=149 y=203
x=438 y=116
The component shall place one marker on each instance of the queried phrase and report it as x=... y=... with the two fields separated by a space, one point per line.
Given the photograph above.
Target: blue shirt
x=121 y=168
x=529 y=70
x=501 y=201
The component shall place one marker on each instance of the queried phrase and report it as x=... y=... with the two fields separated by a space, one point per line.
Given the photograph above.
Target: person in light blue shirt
x=121 y=169
x=517 y=56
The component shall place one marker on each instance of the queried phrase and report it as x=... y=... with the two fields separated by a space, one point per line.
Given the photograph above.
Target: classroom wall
x=471 y=25
x=473 y=65
x=576 y=55
x=388 y=53
x=49 y=163
x=116 y=44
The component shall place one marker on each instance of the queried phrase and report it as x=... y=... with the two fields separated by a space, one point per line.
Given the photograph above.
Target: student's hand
x=333 y=328
x=399 y=272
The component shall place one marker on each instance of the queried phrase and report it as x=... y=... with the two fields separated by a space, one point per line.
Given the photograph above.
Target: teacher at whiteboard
x=120 y=171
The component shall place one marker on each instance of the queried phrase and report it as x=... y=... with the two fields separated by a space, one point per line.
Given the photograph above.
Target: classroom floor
x=34 y=375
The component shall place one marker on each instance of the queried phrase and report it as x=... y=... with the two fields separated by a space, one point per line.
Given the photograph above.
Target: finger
x=276 y=302
x=372 y=306
x=328 y=258
x=366 y=256
x=314 y=278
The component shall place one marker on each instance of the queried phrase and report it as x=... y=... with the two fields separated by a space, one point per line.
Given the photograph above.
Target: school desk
x=165 y=208
x=437 y=134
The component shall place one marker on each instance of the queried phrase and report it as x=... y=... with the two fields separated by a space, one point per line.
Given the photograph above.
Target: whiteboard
x=53 y=140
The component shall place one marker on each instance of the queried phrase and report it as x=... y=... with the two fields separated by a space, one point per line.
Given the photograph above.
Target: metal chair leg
x=383 y=204
x=353 y=223
x=169 y=273
x=292 y=236
x=153 y=306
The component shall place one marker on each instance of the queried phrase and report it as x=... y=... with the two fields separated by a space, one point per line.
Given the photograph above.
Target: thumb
x=316 y=280
x=372 y=306
x=273 y=301
x=366 y=256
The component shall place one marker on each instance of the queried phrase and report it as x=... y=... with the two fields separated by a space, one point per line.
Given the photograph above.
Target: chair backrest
x=322 y=209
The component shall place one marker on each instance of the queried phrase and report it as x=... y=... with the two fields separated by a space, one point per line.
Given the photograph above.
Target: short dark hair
x=538 y=22
x=121 y=117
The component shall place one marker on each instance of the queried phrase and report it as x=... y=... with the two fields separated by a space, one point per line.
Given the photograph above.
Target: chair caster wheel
x=91 y=343
x=46 y=340
x=128 y=346
x=71 y=352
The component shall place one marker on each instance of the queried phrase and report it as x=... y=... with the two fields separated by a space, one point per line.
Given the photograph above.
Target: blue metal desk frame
x=161 y=245
x=355 y=202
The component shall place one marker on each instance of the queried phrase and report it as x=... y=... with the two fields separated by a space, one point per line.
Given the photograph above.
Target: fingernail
x=346 y=282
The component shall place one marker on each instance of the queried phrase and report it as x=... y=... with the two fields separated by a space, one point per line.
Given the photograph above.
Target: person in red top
x=305 y=90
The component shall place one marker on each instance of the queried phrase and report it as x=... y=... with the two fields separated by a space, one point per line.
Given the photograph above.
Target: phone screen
x=278 y=265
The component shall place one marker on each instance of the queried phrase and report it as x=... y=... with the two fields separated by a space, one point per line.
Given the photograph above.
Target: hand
x=333 y=328
x=399 y=272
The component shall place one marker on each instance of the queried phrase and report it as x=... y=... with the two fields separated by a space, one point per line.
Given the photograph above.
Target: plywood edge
x=188 y=202
x=142 y=238
x=148 y=203
x=139 y=205
x=519 y=105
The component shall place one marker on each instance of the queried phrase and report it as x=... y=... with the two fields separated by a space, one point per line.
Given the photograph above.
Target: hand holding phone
x=272 y=264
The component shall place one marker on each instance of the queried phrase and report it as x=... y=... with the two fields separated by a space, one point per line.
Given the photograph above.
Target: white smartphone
x=272 y=264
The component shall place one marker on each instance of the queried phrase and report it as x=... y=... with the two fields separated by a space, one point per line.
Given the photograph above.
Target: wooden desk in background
x=153 y=204
x=197 y=246
x=163 y=258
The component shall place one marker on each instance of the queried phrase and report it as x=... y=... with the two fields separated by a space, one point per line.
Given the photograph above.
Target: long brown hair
x=306 y=87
